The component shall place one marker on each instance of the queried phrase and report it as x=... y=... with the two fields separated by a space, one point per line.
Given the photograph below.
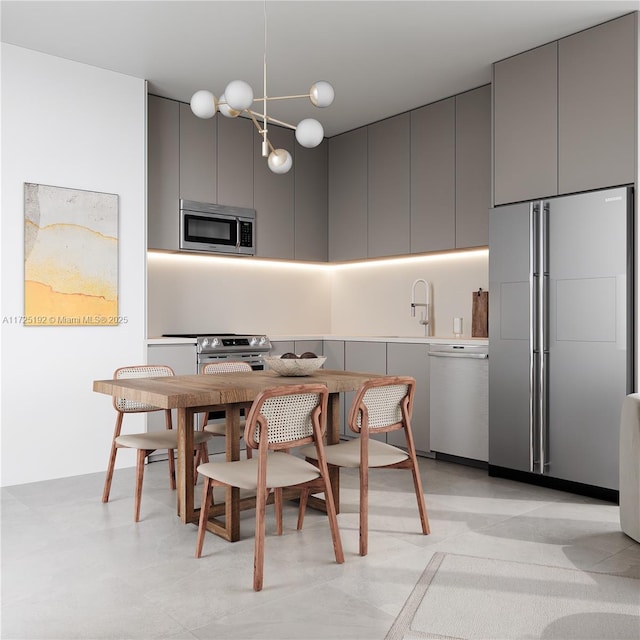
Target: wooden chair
x=146 y=443
x=279 y=419
x=216 y=368
x=380 y=405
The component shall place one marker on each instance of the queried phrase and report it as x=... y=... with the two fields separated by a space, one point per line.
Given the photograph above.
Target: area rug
x=464 y=597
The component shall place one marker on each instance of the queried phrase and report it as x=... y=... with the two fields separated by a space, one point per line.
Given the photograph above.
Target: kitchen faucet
x=425 y=315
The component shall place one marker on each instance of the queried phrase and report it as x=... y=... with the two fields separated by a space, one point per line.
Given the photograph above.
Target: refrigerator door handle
x=543 y=324
x=533 y=336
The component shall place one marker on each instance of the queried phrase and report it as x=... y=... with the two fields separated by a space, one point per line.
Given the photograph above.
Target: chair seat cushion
x=220 y=429
x=283 y=470
x=347 y=454
x=153 y=440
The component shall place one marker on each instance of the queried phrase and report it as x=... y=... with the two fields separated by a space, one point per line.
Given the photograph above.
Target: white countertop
x=163 y=340
x=402 y=339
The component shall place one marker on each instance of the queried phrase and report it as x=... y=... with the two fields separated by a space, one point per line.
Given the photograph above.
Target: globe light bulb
x=321 y=94
x=225 y=109
x=203 y=104
x=239 y=95
x=309 y=133
x=280 y=161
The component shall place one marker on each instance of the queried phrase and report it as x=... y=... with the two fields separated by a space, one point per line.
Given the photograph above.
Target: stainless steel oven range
x=217 y=347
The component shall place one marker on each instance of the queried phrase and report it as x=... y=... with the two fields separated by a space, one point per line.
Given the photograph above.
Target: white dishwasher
x=459 y=400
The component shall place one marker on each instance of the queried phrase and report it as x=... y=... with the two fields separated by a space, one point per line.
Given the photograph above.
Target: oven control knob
x=253 y=341
x=215 y=342
x=263 y=339
x=205 y=342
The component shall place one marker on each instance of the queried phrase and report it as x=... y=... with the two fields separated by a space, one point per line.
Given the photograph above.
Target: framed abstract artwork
x=70 y=257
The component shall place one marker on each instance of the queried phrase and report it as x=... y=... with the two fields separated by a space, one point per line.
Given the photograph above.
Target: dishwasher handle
x=453 y=354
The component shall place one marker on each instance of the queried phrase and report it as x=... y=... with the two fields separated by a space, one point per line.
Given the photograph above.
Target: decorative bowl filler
x=294 y=366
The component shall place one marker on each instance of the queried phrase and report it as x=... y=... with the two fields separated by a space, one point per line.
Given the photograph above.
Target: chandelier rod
x=265 y=141
x=270 y=119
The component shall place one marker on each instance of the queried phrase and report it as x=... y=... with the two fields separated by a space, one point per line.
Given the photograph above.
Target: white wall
x=68 y=125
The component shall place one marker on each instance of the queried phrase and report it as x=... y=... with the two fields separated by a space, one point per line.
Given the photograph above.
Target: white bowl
x=294 y=366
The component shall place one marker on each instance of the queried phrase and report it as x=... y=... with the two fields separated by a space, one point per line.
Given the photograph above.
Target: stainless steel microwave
x=216 y=228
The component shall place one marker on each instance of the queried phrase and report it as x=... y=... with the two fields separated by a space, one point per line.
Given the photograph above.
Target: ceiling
x=382 y=57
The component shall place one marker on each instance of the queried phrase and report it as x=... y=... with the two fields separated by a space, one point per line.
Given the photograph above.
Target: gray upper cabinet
x=389 y=187
x=197 y=157
x=433 y=177
x=596 y=106
x=525 y=108
x=311 y=226
x=565 y=114
x=348 y=196
x=473 y=167
x=237 y=143
x=163 y=173
x=273 y=199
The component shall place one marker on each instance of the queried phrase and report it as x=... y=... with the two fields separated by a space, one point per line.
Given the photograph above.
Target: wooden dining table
x=231 y=393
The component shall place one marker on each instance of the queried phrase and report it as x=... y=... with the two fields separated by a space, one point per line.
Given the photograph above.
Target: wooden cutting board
x=480 y=314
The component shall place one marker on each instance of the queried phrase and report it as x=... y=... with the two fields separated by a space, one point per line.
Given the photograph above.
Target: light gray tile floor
x=74 y=568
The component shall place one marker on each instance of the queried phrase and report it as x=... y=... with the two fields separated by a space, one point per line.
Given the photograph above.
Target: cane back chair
x=216 y=368
x=380 y=405
x=280 y=419
x=148 y=442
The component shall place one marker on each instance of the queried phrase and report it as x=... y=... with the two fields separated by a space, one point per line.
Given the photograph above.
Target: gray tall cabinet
x=433 y=177
x=565 y=114
x=473 y=167
x=348 y=196
x=198 y=157
x=163 y=173
x=273 y=198
x=388 y=187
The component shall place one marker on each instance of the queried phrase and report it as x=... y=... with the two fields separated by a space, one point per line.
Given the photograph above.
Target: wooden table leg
x=333 y=437
x=184 y=481
x=232 y=451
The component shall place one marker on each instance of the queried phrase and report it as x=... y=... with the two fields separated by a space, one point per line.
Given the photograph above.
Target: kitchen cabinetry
x=273 y=199
x=388 y=186
x=525 y=103
x=334 y=351
x=311 y=232
x=313 y=346
x=433 y=177
x=565 y=114
x=369 y=357
x=279 y=347
x=236 y=146
x=597 y=78
x=473 y=167
x=197 y=157
x=163 y=173
x=219 y=160
x=412 y=360
x=348 y=196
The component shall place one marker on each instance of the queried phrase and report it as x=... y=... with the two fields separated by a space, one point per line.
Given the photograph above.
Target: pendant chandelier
x=238 y=98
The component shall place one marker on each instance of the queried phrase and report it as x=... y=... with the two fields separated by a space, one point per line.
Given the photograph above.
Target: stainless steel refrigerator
x=560 y=338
